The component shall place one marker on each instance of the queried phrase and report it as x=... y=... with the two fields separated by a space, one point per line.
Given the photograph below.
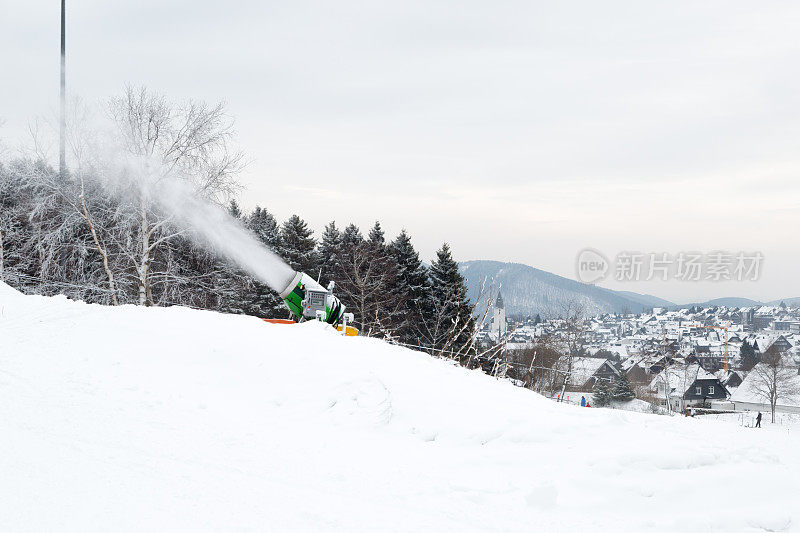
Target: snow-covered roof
x=583 y=368
x=748 y=391
x=680 y=378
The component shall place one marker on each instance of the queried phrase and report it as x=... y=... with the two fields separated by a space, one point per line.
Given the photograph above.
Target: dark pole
x=62 y=164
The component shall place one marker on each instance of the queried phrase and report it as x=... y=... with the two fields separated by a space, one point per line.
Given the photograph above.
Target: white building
x=498 y=328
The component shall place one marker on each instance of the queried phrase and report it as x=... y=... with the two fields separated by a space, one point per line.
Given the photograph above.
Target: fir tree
x=260 y=300
x=602 y=393
x=376 y=236
x=622 y=391
x=451 y=310
x=748 y=356
x=263 y=224
x=234 y=210
x=351 y=236
x=298 y=246
x=329 y=253
x=412 y=282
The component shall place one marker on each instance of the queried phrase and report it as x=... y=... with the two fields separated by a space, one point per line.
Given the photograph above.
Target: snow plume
x=204 y=222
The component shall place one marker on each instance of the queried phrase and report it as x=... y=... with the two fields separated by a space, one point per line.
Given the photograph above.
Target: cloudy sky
x=515 y=130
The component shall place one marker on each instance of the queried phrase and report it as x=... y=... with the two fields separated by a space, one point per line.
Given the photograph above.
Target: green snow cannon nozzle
x=308 y=300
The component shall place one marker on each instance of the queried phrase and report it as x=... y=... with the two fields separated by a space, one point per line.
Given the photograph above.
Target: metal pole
x=62 y=164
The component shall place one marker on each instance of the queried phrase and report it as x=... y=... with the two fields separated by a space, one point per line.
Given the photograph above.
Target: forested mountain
x=528 y=291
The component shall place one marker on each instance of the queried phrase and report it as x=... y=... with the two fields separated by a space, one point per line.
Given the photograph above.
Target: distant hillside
x=730 y=301
x=791 y=302
x=527 y=291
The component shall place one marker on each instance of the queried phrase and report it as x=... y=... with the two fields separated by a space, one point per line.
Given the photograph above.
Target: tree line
x=99 y=235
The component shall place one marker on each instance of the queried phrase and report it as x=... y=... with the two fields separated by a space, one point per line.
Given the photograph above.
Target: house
x=587 y=371
x=687 y=386
x=705 y=388
x=731 y=379
x=637 y=374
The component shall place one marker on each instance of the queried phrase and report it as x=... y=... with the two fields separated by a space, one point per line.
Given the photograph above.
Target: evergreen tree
x=376 y=236
x=351 y=236
x=259 y=299
x=602 y=393
x=748 y=356
x=263 y=224
x=413 y=284
x=451 y=323
x=389 y=311
x=298 y=246
x=329 y=253
x=234 y=210
x=622 y=391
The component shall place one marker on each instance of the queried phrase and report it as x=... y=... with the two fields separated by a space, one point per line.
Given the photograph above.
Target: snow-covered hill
x=128 y=418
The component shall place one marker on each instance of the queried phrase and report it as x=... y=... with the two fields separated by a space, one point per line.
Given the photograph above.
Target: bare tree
x=187 y=141
x=365 y=284
x=774 y=378
x=573 y=335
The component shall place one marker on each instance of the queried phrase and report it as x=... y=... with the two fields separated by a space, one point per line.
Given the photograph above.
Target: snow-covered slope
x=173 y=419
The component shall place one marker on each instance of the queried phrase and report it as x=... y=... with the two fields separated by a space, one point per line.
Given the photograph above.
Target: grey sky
x=519 y=131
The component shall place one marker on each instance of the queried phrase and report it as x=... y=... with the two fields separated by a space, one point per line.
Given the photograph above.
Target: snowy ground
x=785 y=421
x=174 y=419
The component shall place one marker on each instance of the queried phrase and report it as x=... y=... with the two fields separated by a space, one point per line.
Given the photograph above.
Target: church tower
x=499 y=317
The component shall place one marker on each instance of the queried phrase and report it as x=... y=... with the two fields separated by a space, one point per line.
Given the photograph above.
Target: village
x=689 y=361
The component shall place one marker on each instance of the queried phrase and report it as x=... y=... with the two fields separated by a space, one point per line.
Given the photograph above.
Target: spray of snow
x=206 y=223
x=211 y=226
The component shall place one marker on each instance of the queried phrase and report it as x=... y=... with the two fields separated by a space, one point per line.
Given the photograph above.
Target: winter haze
x=518 y=131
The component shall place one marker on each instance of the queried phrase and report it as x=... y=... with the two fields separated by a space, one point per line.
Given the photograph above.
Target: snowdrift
x=173 y=419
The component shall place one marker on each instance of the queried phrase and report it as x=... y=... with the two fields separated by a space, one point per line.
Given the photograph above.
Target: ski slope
x=135 y=419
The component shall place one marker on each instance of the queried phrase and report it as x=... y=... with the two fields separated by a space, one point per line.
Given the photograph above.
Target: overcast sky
x=517 y=131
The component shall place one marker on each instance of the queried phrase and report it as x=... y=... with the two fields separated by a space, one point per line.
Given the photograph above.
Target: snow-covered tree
x=622 y=390
x=602 y=393
x=413 y=284
x=329 y=251
x=259 y=299
x=187 y=141
x=449 y=326
x=775 y=378
x=298 y=246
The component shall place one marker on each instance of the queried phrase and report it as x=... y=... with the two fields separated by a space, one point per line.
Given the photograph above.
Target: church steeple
x=499 y=302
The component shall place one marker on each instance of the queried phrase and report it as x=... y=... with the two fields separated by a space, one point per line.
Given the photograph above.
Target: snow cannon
x=308 y=300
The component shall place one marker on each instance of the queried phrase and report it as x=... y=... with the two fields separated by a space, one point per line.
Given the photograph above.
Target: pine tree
x=351 y=236
x=329 y=252
x=263 y=224
x=412 y=282
x=602 y=393
x=622 y=391
x=234 y=210
x=748 y=356
x=389 y=312
x=376 y=236
x=298 y=246
x=451 y=324
x=260 y=300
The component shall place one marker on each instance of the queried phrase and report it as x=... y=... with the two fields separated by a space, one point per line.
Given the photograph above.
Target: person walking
x=758 y=420
x=583 y=401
